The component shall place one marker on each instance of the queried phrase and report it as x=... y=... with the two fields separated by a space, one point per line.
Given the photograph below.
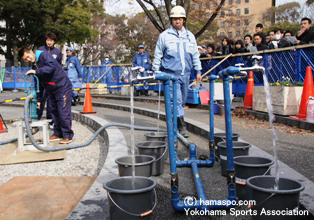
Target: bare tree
x=159 y=21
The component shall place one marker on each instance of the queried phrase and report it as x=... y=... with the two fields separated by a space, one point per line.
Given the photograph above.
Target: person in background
x=176 y=54
x=288 y=36
x=271 y=35
x=51 y=40
x=50 y=48
x=199 y=48
x=239 y=47
x=232 y=45
x=248 y=42
x=280 y=41
x=225 y=48
x=306 y=34
x=211 y=50
x=258 y=42
x=288 y=33
x=259 y=30
x=73 y=70
x=268 y=41
x=204 y=52
x=57 y=84
x=108 y=76
x=142 y=59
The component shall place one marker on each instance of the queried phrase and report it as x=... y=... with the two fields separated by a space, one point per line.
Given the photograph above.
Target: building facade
x=236 y=18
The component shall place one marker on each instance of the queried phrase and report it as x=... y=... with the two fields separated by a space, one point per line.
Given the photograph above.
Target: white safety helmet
x=177 y=12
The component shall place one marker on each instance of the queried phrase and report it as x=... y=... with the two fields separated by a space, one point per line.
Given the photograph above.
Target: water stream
x=132 y=134
x=159 y=88
x=271 y=120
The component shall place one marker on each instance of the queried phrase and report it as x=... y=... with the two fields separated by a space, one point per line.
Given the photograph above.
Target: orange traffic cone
x=88 y=107
x=306 y=93
x=3 y=127
x=248 y=99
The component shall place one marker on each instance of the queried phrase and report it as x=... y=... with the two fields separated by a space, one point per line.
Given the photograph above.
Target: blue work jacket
x=141 y=59
x=176 y=53
x=73 y=68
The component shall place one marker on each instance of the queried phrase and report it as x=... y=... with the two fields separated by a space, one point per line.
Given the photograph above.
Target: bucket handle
x=162 y=153
x=250 y=206
x=139 y=215
x=267 y=170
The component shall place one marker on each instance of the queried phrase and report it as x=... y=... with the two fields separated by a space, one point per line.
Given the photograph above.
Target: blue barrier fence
x=290 y=62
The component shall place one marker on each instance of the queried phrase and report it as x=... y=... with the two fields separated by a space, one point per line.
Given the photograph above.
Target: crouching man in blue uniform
x=176 y=53
x=142 y=59
x=73 y=68
x=55 y=81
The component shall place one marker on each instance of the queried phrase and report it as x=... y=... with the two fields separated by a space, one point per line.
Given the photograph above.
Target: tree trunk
x=8 y=54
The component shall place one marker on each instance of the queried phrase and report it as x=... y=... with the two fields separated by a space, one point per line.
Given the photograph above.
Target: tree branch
x=186 y=6
x=150 y=16
x=210 y=20
x=168 y=7
x=157 y=12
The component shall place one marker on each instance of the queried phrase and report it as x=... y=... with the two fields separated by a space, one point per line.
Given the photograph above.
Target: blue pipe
x=198 y=183
x=224 y=74
x=175 y=84
x=202 y=163
x=193 y=162
x=211 y=79
x=169 y=121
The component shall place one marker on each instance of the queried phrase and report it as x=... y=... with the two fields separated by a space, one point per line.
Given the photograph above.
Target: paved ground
x=295 y=149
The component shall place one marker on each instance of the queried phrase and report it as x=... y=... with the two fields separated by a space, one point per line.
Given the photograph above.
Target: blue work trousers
x=74 y=94
x=61 y=113
x=182 y=93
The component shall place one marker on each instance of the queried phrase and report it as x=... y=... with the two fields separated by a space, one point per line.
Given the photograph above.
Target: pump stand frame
x=23 y=145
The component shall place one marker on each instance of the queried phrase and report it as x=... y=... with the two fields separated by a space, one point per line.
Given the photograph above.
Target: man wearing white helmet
x=176 y=53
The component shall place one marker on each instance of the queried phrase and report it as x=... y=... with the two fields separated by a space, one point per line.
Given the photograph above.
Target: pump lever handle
x=256 y=57
x=239 y=64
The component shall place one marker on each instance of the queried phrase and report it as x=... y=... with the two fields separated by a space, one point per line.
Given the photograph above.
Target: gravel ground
x=86 y=161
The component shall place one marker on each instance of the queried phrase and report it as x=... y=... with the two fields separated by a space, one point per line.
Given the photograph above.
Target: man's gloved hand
x=38 y=105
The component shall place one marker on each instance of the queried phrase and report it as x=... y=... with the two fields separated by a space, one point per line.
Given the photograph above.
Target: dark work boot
x=146 y=92
x=182 y=127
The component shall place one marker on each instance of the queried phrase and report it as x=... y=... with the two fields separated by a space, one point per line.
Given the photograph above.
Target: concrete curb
x=94 y=204
x=259 y=115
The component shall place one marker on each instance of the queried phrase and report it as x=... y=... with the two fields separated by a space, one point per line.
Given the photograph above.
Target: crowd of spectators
x=277 y=38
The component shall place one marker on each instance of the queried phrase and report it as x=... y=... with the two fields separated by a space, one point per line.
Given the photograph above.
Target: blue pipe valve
x=231 y=70
x=33 y=102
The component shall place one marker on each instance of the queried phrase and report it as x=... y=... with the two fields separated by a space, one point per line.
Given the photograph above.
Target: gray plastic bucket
x=128 y=201
x=218 y=137
x=158 y=136
x=270 y=200
x=156 y=149
x=221 y=107
x=239 y=149
x=143 y=165
x=246 y=167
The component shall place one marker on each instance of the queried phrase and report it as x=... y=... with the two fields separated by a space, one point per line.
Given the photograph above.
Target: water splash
x=132 y=134
x=158 y=107
x=271 y=120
